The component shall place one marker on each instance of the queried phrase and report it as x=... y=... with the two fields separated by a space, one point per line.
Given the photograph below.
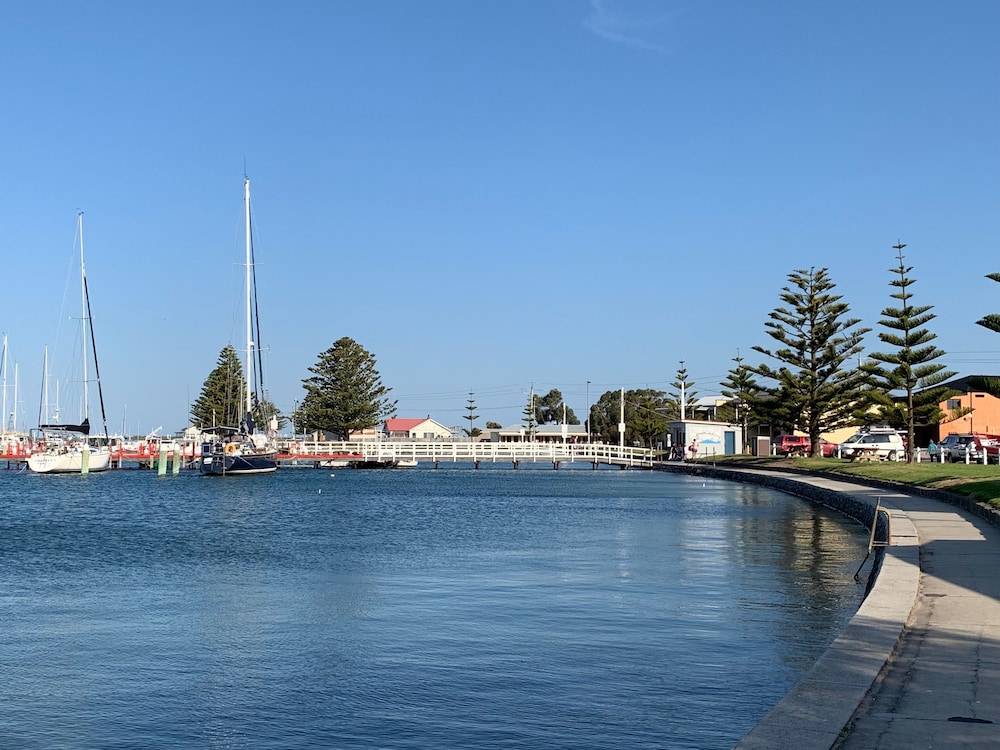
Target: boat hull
x=222 y=464
x=69 y=462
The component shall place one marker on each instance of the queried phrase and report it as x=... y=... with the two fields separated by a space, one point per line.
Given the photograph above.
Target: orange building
x=983 y=409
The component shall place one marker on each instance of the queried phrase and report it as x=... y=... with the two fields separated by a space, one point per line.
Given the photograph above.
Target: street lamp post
x=588 y=411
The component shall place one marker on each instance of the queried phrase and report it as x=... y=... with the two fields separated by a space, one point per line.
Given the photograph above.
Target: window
x=954 y=403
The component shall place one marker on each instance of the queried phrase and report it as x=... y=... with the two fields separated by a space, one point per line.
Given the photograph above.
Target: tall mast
x=249 y=356
x=13 y=411
x=84 y=320
x=3 y=427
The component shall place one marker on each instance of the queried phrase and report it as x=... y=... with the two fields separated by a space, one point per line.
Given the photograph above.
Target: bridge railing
x=465 y=451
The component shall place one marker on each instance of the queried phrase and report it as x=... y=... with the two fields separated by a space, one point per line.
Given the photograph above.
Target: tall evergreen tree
x=683 y=403
x=909 y=369
x=811 y=390
x=743 y=392
x=470 y=414
x=221 y=401
x=991 y=321
x=531 y=415
x=345 y=392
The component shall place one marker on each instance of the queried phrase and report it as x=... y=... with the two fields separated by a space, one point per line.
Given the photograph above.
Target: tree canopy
x=221 y=401
x=345 y=392
x=907 y=380
x=645 y=417
x=743 y=392
x=682 y=403
x=549 y=409
x=812 y=390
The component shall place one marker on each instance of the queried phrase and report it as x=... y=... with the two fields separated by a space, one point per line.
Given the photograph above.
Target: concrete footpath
x=919 y=664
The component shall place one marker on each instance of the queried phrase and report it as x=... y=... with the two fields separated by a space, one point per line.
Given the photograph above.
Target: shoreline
x=832 y=705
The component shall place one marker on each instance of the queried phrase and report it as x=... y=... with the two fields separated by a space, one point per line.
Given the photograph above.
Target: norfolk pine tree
x=742 y=390
x=345 y=392
x=221 y=401
x=909 y=369
x=991 y=321
x=682 y=402
x=472 y=431
x=811 y=391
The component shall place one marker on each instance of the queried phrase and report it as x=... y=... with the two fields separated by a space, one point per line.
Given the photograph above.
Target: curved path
x=919 y=664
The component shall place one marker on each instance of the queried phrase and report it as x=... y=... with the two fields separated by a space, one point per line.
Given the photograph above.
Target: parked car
x=827 y=449
x=955 y=447
x=792 y=445
x=881 y=444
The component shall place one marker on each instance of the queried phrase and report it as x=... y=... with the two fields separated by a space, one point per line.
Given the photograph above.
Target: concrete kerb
x=819 y=708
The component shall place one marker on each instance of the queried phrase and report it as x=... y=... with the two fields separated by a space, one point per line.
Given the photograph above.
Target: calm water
x=418 y=608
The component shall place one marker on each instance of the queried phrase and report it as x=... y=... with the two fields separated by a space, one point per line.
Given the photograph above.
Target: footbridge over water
x=402 y=453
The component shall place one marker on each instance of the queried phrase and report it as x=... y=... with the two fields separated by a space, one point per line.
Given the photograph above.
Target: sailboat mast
x=249 y=342
x=3 y=428
x=83 y=318
x=13 y=411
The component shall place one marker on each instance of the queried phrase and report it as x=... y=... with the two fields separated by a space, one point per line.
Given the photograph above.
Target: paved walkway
x=919 y=665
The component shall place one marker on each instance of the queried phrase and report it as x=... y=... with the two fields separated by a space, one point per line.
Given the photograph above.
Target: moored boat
x=244 y=449
x=70 y=448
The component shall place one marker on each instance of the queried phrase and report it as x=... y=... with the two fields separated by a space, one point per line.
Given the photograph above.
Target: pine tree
x=221 y=401
x=811 y=390
x=910 y=368
x=471 y=416
x=743 y=392
x=530 y=416
x=991 y=321
x=682 y=403
x=345 y=392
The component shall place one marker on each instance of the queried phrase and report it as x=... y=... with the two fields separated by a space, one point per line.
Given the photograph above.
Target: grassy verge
x=975 y=480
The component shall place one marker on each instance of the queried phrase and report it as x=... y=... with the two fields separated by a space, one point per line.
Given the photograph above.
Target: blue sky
x=488 y=196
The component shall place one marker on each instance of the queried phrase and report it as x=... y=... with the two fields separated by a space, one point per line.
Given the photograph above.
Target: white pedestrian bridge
x=406 y=452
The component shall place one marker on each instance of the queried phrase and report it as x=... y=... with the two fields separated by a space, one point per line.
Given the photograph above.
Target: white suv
x=881 y=444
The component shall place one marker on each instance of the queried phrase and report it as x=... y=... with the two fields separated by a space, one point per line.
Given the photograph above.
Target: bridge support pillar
x=437 y=464
x=515 y=463
x=594 y=465
x=476 y=463
x=623 y=467
x=555 y=464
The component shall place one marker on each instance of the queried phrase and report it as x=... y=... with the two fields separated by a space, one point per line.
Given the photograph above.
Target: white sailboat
x=69 y=448
x=244 y=449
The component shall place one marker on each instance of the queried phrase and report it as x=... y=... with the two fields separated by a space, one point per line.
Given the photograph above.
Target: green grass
x=975 y=480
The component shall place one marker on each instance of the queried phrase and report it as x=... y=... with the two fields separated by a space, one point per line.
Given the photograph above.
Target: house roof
x=399 y=424
x=545 y=429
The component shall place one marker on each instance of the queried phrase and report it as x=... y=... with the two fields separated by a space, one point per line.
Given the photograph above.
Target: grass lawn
x=977 y=481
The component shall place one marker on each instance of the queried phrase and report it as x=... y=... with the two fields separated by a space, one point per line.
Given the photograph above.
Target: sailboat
x=69 y=448
x=244 y=449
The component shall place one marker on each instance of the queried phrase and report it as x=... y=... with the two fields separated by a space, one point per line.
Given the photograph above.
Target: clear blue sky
x=488 y=196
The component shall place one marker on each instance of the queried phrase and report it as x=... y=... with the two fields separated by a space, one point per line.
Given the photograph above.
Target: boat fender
x=230 y=449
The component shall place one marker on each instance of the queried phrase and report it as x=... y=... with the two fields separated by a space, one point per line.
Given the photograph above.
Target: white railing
x=484 y=452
